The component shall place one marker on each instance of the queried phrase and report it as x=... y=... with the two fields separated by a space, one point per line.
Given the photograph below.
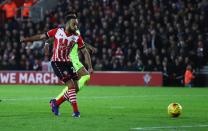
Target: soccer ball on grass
x=174 y=109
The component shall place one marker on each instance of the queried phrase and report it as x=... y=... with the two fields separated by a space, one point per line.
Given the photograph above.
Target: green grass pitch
x=26 y=108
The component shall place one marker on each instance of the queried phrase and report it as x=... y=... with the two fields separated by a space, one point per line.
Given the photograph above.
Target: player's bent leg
x=83 y=80
x=83 y=73
x=70 y=95
x=85 y=77
x=77 y=65
x=63 y=91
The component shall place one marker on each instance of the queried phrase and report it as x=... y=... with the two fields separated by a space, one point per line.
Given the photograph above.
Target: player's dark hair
x=71 y=13
x=69 y=17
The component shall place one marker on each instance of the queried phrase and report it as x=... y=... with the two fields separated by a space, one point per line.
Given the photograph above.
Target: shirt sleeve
x=52 y=32
x=80 y=42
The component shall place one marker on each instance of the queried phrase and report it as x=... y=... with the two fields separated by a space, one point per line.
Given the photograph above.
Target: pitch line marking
x=97 y=97
x=168 y=127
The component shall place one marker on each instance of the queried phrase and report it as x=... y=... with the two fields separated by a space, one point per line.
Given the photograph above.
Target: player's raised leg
x=85 y=77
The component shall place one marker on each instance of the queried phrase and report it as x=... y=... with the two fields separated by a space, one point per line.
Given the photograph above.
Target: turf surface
x=26 y=108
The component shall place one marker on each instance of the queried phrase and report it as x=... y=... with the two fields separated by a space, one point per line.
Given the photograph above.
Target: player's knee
x=87 y=77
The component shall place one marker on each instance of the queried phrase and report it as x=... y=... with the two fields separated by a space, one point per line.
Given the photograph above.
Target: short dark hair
x=69 y=17
x=71 y=13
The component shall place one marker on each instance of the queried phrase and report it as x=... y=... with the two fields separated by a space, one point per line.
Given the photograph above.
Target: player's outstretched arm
x=87 y=59
x=34 y=38
x=46 y=46
x=90 y=48
x=46 y=49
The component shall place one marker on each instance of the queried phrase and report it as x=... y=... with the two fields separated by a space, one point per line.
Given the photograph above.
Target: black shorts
x=64 y=70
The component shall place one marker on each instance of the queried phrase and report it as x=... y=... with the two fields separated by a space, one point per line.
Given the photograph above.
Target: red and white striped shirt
x=63 y=44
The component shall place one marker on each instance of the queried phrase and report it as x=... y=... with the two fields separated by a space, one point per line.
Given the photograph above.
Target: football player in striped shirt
x=83 y=74
x=64 y=40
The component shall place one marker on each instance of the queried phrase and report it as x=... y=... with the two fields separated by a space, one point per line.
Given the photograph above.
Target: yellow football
x=174 y=109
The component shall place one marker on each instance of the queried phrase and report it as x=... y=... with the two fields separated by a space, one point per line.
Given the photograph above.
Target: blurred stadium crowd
x=130 y=35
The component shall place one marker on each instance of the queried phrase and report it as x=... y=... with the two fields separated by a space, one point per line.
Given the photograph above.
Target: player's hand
x=93 y=50
x=90 y=70
x=46 y=49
